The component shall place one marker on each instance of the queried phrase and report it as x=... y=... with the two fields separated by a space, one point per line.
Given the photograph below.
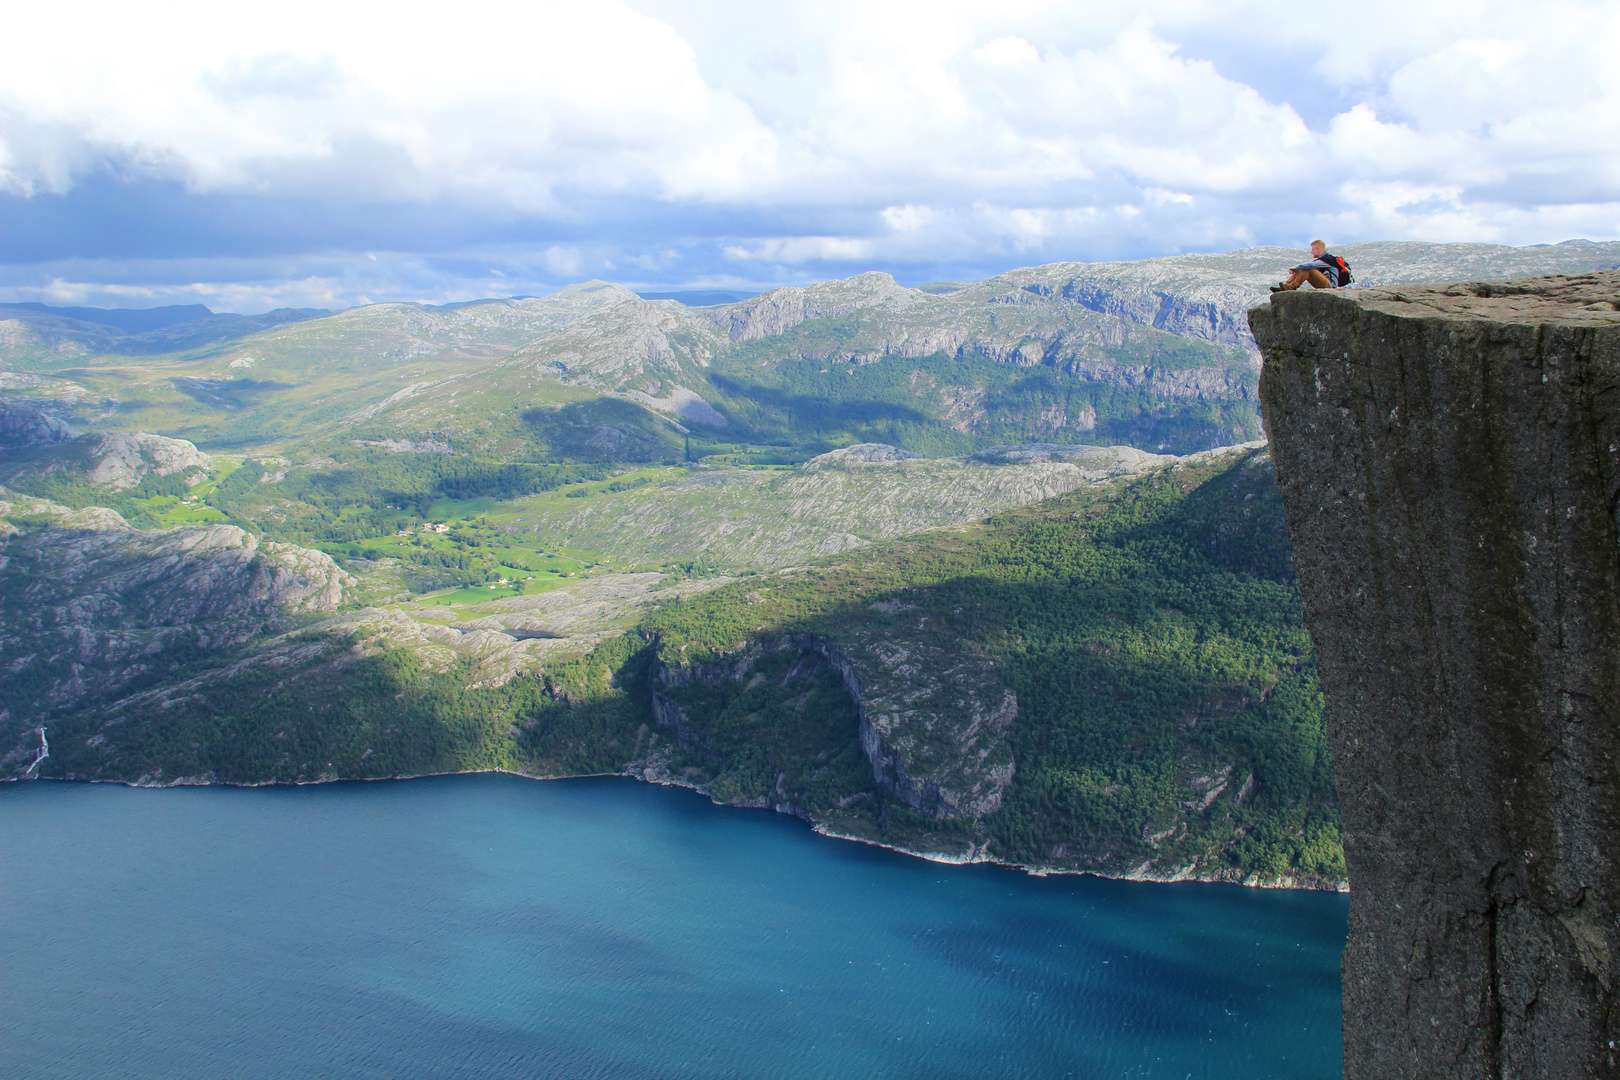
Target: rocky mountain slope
x=34 y=443
x=753 y=519
x=90 y=607
x=1153 y=354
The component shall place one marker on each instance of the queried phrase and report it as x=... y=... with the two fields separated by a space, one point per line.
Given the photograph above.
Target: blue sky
x=329 y=154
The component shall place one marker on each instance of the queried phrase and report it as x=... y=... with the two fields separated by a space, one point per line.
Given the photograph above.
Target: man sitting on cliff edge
x=1324 y=271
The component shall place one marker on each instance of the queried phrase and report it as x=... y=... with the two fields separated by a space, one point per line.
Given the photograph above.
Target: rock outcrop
x=934 y=726
x=122 y=459
x=115 y=459
x=21 y=426
x=1449 y=458
x=88 y=605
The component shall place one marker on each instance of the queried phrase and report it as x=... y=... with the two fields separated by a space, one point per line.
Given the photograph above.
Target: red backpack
x=1345 y=277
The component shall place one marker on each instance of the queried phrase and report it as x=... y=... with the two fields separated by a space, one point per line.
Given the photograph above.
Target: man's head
x=1317 y=247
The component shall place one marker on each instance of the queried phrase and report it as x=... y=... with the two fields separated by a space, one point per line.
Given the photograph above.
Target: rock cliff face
x=1449 y=458
x=934 y=727
x=89 y=605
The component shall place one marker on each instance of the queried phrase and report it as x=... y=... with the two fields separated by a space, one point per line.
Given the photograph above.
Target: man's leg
x=1317 y=279
x=1295 y=280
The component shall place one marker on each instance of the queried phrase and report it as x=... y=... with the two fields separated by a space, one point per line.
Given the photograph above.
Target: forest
x=1151 y=631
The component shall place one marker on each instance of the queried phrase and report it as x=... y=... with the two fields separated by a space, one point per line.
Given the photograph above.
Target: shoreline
x=1143 y=873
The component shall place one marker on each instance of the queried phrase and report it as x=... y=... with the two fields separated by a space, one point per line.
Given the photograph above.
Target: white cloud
x=562 y=261
x=530 y=97
x=800 y=249
x=801 y=135
x=248 y=296
x=908 y=218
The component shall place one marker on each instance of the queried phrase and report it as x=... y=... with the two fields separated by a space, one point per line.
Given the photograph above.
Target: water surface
x=494 y=927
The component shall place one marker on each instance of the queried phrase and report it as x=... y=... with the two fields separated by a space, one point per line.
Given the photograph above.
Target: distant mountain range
x=1154 y=354
x=129 y=320
x=134 y=331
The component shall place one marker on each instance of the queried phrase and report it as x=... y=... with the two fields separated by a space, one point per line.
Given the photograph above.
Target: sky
x=329 y=154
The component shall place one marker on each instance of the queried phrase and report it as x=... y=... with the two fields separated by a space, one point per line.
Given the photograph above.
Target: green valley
x=990 y=570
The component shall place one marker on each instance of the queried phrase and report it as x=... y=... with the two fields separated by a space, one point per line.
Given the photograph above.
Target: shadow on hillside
x=817 y=412
x=603 y=430
x=228 y=394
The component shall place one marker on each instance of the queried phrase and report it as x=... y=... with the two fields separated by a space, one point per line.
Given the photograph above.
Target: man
x=1322 y=271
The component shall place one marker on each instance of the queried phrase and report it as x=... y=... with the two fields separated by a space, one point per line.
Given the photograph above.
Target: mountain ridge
x=595 y=338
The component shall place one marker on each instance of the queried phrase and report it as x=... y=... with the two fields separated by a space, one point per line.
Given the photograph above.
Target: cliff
x=1114 y=681
x=932 y=722
x=1449 y=458
x=90 y=606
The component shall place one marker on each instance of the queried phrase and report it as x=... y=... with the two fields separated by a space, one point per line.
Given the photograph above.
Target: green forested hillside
x=1167 y=719
x=1153 y=639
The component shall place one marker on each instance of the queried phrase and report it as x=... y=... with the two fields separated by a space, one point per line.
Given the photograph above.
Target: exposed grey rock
x=1449 y=458
x=122 y=459
x=780 y=310
x=757 y=519
x=934 y=723
x=860 y=453
x=117 y=460
x=408 y=446
x=22 y=426
x=1123 y=459
x=685 y=403
x=90 y=602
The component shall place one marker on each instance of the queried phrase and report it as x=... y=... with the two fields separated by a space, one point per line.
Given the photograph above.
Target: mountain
x=735 y=520
x=971 y=569
x=40 y=335
x=129 y=320
x=1115 y=679
x=1153 y=354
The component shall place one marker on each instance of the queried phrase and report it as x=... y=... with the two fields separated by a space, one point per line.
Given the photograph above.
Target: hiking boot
x=1279 y=287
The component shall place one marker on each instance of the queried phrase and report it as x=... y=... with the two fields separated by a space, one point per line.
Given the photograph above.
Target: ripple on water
x=489 y=926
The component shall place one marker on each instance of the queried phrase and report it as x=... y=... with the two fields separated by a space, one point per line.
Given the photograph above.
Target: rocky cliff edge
x=1449 y=457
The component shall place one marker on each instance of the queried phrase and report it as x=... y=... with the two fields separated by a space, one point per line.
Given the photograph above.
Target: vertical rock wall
x=1449 y=458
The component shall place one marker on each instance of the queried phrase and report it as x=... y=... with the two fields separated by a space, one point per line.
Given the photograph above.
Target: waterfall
x=43 y=753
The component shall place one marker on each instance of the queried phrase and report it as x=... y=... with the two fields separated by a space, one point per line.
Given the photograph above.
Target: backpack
x=1345 y=276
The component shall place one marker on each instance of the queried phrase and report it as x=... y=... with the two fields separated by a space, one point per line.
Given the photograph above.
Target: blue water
x=489 y=926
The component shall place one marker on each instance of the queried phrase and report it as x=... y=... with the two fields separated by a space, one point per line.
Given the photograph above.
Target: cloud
x=801 y=249
x=518 y=145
